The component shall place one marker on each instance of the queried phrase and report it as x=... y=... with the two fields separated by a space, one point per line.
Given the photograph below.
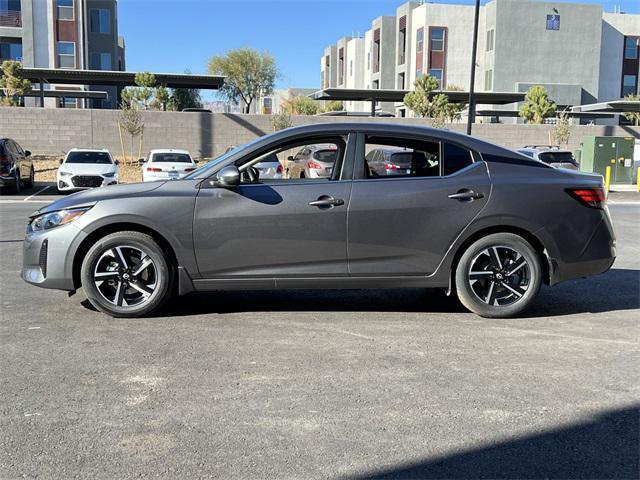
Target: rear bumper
x=597 y=256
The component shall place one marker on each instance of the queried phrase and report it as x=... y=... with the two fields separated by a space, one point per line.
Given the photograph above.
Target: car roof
x=88 y=150
x=543 y=149
x=168 y=150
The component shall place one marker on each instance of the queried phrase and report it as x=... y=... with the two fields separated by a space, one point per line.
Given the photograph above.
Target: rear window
x=171 y=157
x=88 y=157
x=402 y=158
x=327 y=156
x=556 y=157
x=456 y=158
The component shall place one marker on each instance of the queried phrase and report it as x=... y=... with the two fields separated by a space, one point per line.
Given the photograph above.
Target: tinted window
x=327 y=156
x=455 y=158
x=556 y=157
x=88 y=157
x=408 y=158
x=171 y=157
x=526 y=152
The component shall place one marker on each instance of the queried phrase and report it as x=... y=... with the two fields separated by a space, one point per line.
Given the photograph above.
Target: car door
x=274 y=229
x=21 y=159
x=403 y=225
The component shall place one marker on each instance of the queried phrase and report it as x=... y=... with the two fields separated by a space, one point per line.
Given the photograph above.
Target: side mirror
x=27 y=153
x=117 y=162
x=228 y=176
x=141 y=161
x=290 y=158
x=61 y=161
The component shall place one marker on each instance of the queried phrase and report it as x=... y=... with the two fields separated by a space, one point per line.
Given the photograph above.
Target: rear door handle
x=325 y=201
x=466 y=195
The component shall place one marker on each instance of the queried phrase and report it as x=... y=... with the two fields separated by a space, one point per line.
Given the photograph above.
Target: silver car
x=316 y=161
x=468 y=217
x=552 y=156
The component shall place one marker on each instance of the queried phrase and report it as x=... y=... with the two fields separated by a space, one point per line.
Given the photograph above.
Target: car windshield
x=88 y=157
x=326 y=156
x=557 y=157
x=171 y=157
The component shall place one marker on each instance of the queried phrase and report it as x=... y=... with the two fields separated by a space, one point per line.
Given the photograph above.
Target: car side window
x=11 y=150
x=401 y=157
x=318 y=160
x=18 y=149
x=455 y=158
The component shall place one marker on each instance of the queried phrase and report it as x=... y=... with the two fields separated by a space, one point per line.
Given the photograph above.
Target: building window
x=64 y=9
x=401 y=81
x=267 y=106
x=553 y=22
x=368 y=60
x=402 y=39
x=490 y=39
x=68 y=102
x=10 y=49
x=351 y=68
x=629 y=85
x=437 y=74
x=376 y=50
x=341 y=66
x=488 y=80
x=100 y=61
x=436 y=42
x=419 y=52
x=630 y=48
x=10 y=13
x=100 y=20
x=66 y=55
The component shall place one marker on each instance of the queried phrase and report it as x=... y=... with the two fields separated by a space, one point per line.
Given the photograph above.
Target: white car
x=84 y=168
x=167 y=165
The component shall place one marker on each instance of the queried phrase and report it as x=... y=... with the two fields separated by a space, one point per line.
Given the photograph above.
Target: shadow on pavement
x=618 y=289
x=606 y=447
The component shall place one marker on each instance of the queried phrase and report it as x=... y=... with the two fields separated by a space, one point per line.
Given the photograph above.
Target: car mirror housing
x=27 y=153
x=116 y=162
x=290 y=158
x=61 y=161
x=141 y=161
x=228 y=176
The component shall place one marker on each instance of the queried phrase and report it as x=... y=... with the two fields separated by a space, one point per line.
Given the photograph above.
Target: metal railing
x=10 y=18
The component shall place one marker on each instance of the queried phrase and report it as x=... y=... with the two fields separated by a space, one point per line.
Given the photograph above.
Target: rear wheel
x=498 y=276
x=127 y=274
x=32 y=178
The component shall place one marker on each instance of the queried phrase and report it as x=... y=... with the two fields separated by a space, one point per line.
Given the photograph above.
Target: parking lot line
x=39 y=191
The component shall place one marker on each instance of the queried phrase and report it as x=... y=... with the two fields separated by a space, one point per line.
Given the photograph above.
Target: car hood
x=93 y=196
x=88 y=168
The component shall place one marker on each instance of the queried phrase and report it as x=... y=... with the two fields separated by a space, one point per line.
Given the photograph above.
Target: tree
x=182 y=98
x=162 y=98
x=301 y=105
x=248 y=75
x=633 y=117
x=11 y=83
x=537 y=105
x=334 y=106
x=145 y=92
x=562 y=130
x=424 y=103
x=130 y=120
x=281 y=120
x=453 y=111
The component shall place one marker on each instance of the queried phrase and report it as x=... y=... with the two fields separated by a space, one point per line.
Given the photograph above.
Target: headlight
x=109 y=175
x=55 y=219
x=65 y=174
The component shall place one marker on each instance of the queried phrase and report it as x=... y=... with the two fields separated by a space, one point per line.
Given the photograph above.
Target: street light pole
x=472 y=103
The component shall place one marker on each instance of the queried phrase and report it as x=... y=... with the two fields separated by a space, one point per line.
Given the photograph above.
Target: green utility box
x=597 y=153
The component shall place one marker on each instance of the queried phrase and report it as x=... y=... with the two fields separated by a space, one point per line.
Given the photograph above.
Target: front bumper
x=67 y=183
x=47 y=257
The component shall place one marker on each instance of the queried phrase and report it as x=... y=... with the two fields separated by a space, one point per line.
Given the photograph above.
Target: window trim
x=73 y=55
x=73 y=11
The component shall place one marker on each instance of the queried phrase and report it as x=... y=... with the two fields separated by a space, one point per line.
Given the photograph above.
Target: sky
x=171 y=36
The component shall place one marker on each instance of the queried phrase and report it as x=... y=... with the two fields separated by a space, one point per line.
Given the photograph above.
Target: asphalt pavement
x=312 y=384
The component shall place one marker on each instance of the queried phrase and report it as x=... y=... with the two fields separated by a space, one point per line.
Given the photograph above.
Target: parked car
x=16 y=166
x=488 y=224
x=167 y=164
x=396 y=161
x=551 y=155
x=84 y=168
x=269 y=167
x=315 y=161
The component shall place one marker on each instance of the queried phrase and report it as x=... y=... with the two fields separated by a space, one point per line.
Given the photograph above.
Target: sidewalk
x=623 y=197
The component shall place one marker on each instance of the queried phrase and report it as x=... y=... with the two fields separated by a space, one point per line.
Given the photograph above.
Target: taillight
x=279 y=168
x=314 y=166
x=591 y=197
x=391 y=166
x=153 y=169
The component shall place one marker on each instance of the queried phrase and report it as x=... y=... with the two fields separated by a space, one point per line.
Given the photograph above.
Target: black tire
x=32 y=178
x=302 y=175
x=496 y=288
x=146 y=291
x=17 y=182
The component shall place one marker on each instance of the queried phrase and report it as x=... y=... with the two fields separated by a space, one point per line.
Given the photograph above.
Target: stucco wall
x=54 y=131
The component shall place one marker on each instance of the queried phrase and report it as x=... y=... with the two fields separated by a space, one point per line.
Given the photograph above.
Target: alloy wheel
x=499 y=276
x=125 y=276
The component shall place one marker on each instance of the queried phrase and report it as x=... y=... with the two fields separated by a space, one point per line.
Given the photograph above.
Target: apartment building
x=578 y=52
x=64 y=34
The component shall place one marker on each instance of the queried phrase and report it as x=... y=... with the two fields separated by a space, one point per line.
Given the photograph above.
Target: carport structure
x=44 y=76
x=397 y=96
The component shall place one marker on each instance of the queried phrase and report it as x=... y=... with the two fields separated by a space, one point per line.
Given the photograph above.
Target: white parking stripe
x=39 y=191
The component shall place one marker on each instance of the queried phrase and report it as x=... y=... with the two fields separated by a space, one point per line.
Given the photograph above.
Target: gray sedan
x=465 y=215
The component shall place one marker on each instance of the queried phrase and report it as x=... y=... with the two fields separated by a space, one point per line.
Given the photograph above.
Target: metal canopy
x=380 y=95
x=615 y=106
x=66 y=94
x=515 y=113
x=121 y=79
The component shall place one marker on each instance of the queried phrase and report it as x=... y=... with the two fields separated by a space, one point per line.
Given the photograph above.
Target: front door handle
x=325 y=201
x=466 y=195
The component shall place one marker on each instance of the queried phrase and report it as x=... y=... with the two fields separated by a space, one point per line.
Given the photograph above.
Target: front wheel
x=498 y=276
x=127 y=274
x=30 y=182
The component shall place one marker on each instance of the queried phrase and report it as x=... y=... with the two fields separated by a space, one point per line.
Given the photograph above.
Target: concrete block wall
x=54 y=131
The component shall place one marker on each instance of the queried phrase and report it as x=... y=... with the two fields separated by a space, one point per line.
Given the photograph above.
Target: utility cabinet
x=597 y=153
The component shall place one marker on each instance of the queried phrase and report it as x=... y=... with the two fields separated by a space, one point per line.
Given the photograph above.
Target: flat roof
x=66 y=93
x=121 y=79
x=515 y=113
x=382 y=95
x=619 y=106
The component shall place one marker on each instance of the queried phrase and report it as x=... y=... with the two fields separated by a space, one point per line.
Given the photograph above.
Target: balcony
x=10 y=18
